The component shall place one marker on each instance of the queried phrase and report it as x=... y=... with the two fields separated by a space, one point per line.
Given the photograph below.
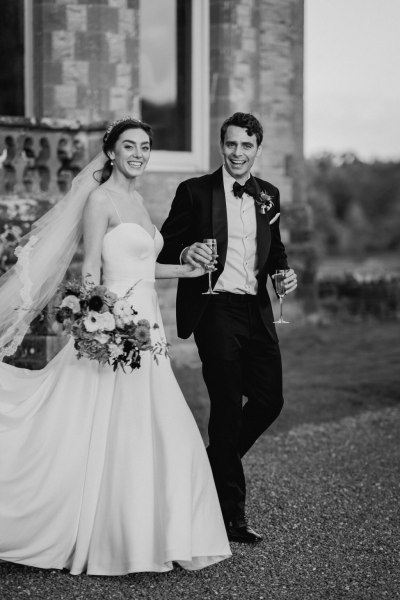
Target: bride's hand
x=188 y=271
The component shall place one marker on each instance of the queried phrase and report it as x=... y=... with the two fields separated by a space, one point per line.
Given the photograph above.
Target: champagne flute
x=212 y=244
x=280 y=275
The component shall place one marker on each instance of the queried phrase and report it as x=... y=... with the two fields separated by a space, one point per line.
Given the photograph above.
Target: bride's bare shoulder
x=98 y=198
x=97 y=207
x=100 y=193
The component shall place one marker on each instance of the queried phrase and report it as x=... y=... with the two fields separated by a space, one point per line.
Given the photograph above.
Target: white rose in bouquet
x=123 y=312
x=107 y=321
x=71 y=302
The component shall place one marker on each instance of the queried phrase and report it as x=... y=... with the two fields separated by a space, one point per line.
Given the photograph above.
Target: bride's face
x=131 y=152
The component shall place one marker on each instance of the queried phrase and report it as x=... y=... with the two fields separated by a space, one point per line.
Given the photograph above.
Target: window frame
x=198 y=158
x=28 y=59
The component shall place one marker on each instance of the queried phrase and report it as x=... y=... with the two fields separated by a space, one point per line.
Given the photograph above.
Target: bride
x=101 y=472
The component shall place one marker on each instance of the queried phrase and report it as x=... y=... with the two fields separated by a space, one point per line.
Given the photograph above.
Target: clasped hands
x=200 y=258
x=199 y=255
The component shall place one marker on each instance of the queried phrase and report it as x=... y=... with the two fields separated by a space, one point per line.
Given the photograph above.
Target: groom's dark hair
x=245 y=120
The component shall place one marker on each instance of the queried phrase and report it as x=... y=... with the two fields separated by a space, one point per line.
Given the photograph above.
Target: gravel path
x=327 y=499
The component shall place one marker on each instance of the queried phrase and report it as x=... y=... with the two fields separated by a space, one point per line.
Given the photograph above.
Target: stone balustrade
x=38 y=160
x=41 y=157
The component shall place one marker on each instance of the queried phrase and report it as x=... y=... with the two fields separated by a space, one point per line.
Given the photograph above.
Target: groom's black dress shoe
x=239 y=530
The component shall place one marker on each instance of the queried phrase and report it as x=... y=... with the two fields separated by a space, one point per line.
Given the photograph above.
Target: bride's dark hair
x=111 y=137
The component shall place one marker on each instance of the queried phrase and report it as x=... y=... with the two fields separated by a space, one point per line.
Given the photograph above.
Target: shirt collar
x=228 y=179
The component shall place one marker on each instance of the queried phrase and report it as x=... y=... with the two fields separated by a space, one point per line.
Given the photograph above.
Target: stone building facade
x=89 y=62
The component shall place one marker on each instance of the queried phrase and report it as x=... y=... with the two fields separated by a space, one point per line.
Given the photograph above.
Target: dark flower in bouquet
x=104 y=326
x=95 y=303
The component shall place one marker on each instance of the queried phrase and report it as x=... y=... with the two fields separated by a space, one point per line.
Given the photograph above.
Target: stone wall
x=85 y=57
x=256 y=65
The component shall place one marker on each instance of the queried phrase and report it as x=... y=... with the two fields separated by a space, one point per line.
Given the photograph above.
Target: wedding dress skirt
x=103 y=472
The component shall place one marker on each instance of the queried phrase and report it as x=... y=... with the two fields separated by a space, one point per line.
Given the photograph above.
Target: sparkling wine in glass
x=212 y=244
x=280 y=275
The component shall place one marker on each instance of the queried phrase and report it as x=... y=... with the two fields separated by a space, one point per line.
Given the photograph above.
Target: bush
x=371 y=295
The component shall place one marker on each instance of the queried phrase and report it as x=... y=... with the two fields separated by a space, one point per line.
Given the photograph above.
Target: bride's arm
x=95 y=225
x=171 y=271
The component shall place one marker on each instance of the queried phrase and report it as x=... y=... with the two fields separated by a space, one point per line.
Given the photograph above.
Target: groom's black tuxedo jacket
x=198 y=211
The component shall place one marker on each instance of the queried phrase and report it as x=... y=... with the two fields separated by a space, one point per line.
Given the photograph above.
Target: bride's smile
x=131 y=153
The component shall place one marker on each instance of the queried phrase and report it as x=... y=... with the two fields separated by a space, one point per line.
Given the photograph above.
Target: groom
x=234 y=329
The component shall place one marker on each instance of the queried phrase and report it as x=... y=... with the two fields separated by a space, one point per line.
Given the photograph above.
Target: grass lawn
x=329 y=372
x=339 y=370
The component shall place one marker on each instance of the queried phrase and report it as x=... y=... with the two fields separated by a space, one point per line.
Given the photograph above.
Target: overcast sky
x=352 y=77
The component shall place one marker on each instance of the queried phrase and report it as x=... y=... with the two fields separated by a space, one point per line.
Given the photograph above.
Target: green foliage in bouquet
x=105 y=327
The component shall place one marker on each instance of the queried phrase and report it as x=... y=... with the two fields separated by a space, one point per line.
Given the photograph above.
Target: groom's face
x=239 y=151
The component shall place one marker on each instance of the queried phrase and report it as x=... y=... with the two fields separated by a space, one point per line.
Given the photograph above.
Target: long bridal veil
x=44 y=255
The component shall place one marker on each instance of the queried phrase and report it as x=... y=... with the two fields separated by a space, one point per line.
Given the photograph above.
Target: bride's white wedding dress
x=103 y=472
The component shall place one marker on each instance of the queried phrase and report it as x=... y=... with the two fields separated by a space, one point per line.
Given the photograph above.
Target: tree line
x=356 y=204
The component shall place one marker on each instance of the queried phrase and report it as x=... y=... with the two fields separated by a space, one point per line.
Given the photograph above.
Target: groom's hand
x=290 y=281
x=197 y=255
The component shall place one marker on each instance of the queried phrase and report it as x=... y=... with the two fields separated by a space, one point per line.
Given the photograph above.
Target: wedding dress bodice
x=129 y=255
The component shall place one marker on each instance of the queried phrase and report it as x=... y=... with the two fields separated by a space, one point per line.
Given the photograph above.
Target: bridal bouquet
x=105 y=327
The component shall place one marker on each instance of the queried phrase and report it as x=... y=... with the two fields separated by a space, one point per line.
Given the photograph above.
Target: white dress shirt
x=241 y=265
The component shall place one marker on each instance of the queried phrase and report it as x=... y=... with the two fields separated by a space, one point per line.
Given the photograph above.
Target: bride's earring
x=111 y=162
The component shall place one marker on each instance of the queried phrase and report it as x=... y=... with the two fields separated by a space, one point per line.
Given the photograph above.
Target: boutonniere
x=264 y=201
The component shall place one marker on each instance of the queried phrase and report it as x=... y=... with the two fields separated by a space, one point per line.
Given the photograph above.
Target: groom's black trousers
x=239 y=357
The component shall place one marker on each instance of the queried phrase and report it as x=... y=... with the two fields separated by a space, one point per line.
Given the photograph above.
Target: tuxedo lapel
x=263 y=232
x=219 y=216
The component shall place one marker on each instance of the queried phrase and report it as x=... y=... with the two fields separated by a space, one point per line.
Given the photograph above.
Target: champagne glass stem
x=212 y=244
x=281 y=307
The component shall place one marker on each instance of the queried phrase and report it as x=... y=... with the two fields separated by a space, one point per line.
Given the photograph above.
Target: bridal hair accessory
x=117 y=122
x=44 y=255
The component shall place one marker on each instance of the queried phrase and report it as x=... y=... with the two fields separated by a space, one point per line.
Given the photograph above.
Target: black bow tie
x=248 y=188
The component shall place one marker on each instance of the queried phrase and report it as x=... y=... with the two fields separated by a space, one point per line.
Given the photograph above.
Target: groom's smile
x=239 y=151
